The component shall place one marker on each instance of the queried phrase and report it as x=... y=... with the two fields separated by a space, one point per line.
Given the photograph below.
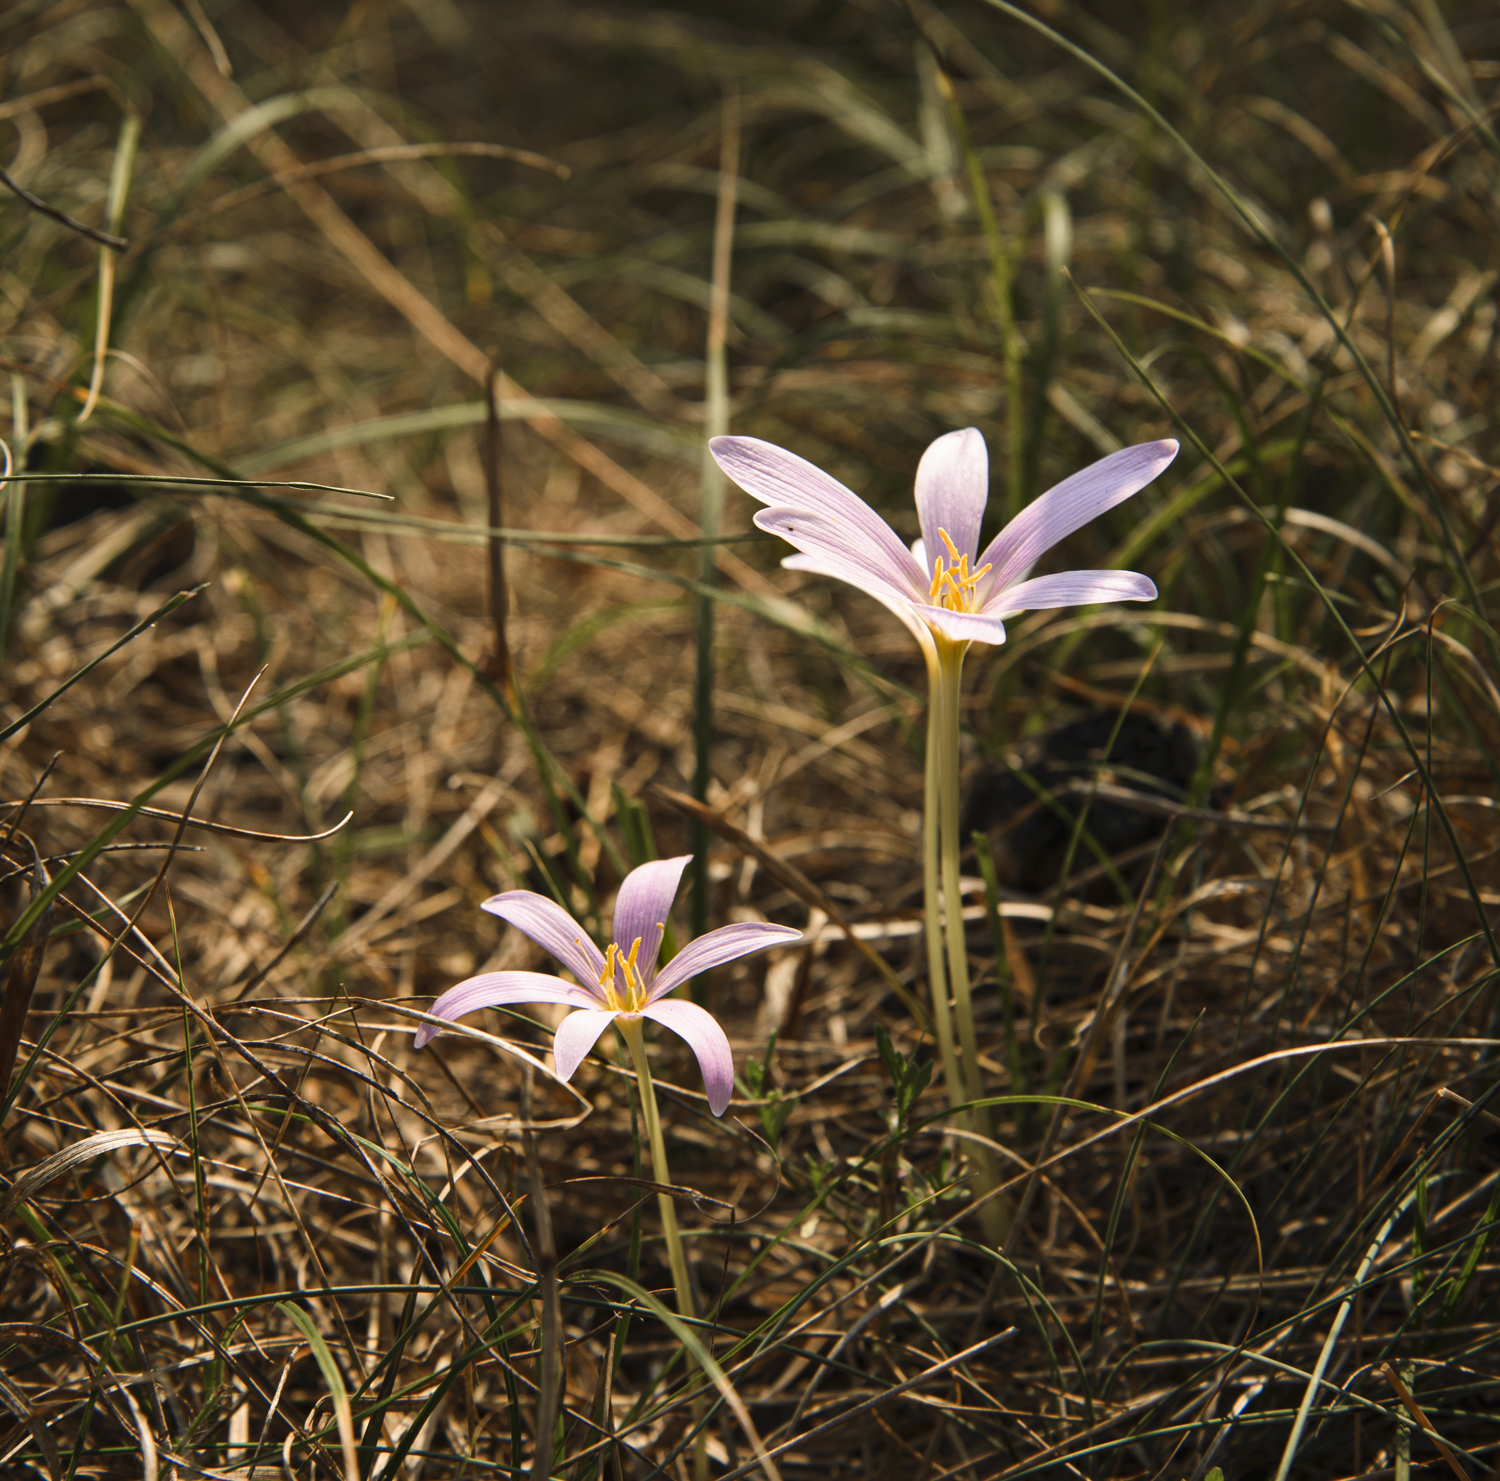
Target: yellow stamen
x=953 y=584
x=630 y=997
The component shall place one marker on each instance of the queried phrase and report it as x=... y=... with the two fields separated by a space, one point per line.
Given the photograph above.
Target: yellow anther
x=630 y=997
x=953 y=584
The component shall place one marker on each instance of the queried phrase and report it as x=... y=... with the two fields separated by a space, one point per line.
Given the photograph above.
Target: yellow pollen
x=631 y=996
x=953 y=584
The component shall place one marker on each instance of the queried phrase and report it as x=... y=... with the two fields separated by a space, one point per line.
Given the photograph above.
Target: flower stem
x=937 y=974
x=947 y=673
x=635 y=1040
x=945 y=707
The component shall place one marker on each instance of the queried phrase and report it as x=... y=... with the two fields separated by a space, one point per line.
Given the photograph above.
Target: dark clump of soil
x=1030 y=813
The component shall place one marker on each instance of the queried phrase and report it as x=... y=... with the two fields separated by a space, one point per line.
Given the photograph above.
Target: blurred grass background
x=248 y=1228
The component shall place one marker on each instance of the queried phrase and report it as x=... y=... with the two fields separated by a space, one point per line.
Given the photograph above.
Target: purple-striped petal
x=777 y=477
x=953 y=486
x=575 y=1036
x=496 y=989
x=820 y=533
x=1069 y=506
x=827 y=541
x=1075 y=589
x=964 y=627
x=714 y=948
x=902 y=607
x=705 y=1038
x=642 y=907
x=553 y=929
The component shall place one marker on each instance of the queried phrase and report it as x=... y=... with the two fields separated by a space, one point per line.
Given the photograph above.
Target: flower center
x=630 y=995
x=953 y=584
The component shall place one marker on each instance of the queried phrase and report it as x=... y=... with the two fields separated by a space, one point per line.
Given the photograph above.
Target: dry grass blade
x=165 y=610
x=114 y=210
x=104 y=238
x=712 y=1371
x=549 y=1361
x=1415 y=1410
x=381 y=154
x=149 y=1452
x=502 y=665
x=337 y=1393
x=19 y=1405
x=80 y=1154
x=20 y=980
x=229 y=830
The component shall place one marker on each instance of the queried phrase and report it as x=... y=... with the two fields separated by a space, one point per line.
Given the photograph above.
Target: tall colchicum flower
x=621 y=984
x=949 y=594
x=943 y=588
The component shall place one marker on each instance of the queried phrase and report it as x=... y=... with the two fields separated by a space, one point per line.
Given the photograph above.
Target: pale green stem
x=945 y=708
x=943 y=774
x=635 y=1040
x=937 y=975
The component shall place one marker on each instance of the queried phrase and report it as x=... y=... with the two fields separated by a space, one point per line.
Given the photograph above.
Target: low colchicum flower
x=621 y=983
x=943 y=585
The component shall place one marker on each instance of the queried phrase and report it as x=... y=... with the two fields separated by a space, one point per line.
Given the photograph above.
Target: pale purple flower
x=622 y=982
x=943 y=584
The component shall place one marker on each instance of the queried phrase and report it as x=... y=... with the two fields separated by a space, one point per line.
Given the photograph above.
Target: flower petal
x=1069 y=506
x=775 y=476
x=903 y=607
x=705 y=1038
x=714 y=948
x=495 y=989
x=642 y=907
x=964 y=627
x=953 y=486
x=1076 y=589
x=816 y=533
x=553 y=929
x=575 y=1036
x=827 y=551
